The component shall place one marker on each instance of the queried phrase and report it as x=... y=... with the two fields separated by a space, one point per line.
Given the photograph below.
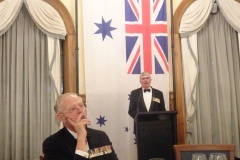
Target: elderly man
x=145 y=98
x=76 y=141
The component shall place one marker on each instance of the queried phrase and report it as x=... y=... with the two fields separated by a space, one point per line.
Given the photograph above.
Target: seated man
x=76 y=141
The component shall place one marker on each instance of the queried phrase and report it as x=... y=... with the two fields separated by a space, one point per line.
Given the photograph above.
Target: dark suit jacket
x=137 y=103
x=62 y=145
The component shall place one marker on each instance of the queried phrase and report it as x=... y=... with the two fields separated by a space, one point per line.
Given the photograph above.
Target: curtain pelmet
x=44 y=16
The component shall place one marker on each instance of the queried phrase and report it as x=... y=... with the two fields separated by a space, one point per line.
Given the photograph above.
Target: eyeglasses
x=77 y=108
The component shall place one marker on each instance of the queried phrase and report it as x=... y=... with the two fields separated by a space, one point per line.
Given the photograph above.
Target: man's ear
x=61 y=117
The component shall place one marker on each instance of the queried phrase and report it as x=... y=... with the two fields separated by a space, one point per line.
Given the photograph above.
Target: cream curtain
x=54 y=56
x=192 y=22
x=48 y=20
x=195 y=17
x=45 y=16
x=30 y=81
x=8 y=13
x=230 y=10
x=190 y=68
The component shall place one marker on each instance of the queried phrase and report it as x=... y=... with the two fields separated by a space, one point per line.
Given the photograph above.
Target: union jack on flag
x=146 y=36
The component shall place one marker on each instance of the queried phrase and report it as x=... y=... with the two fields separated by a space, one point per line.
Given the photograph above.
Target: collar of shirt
x=82 y=153
x=147 y=92
x=72 y=133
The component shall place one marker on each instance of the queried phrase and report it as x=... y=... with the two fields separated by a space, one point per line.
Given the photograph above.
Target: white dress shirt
x=147 y=96
x=79 y=152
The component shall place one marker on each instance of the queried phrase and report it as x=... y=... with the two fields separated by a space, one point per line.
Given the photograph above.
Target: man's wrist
x=82 y=153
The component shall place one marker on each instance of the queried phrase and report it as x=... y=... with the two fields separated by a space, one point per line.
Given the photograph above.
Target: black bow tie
x=146 y=90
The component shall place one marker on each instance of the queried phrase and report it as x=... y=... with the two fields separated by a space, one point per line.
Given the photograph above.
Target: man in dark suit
x=76 y=141
x=146 y=98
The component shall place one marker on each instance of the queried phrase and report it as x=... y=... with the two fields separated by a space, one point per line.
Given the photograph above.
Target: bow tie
x=146 y=90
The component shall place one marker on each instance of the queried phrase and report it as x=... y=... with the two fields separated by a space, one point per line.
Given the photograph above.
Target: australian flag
x=146 y=36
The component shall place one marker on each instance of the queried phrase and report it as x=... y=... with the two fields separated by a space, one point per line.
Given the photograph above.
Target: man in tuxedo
x=76 y=141
x=146 y=98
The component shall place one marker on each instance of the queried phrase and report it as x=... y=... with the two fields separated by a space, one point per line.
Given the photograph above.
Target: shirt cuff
x=82 y=153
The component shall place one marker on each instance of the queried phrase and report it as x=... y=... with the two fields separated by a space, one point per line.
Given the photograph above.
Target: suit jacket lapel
x=70 y=141
x=153 y=95
x=90 y=139
x=142 y=106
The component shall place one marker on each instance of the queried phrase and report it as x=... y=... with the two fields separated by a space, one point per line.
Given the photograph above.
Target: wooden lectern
x=156 y=134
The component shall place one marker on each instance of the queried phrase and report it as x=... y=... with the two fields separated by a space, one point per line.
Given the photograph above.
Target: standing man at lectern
x=145 y=98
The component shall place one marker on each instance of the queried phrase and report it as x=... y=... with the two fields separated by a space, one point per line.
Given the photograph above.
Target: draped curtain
x=30 y=77
x=211 y=69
